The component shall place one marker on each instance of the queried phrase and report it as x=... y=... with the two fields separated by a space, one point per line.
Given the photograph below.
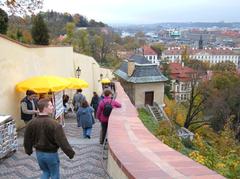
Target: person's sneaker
x=88 y=137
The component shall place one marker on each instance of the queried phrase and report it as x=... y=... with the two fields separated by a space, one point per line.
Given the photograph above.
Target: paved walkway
x=85 y=165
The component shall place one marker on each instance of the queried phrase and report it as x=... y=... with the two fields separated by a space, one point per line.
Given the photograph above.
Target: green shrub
x=147 y=120
x=187 y=143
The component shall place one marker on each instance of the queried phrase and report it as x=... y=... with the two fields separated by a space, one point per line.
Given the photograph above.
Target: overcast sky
x=150 y=11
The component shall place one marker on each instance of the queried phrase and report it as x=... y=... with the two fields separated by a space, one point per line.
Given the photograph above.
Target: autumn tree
x=70 y=28
x=3 y=22
x=198 y=65
x=164 y=65
x=95 y=42
x=80 y=42
x=185 y=55
x=79 y=20
x=195 y=105
x=39 y=31
x=223 y=101
x=224 y=66
x=117 y=38
x=27 y=37
x=19 y=28
x=102 y=43
x=130 y=43
x=93 y=23
x=104 y=46
x=19 y=35
x=159 y=48
x=140 y=34
x=21 y=6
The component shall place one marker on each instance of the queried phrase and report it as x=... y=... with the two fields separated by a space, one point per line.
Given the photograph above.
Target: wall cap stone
x=141 y=155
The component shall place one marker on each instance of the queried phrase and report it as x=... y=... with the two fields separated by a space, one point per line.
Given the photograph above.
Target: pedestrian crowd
x=47 y=135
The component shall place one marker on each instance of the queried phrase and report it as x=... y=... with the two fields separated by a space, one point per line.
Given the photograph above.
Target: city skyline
x=151 y=11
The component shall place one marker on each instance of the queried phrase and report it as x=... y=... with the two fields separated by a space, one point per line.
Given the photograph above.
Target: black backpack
x=107 y=109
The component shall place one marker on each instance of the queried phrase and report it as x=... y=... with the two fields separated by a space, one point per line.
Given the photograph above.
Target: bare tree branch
x=21 y=7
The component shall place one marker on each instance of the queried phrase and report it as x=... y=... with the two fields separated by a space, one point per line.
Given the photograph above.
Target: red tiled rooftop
x=180 y=72
x=148 y=50
x=140 y=155
x=231 y=33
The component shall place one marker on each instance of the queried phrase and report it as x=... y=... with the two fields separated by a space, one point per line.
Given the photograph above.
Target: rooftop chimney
x=131 y=67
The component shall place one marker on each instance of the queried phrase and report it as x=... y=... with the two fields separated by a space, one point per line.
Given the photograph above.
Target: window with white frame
x=183 y=87
x=184 y=96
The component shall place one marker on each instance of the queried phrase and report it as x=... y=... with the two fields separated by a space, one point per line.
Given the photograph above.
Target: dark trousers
x=104 y=126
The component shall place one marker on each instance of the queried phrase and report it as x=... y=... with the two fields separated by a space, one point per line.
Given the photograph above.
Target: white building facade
x=210 y=55
x=181 y=81
x=181 y=90
x=150 y=55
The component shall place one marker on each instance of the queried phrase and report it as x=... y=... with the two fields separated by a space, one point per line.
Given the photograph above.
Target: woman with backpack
x=85 y=119
x=104 y=110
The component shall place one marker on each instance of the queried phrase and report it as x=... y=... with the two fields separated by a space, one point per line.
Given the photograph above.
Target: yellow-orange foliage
x=170 y=108
x=27 y=37
x=195 y=155
x=168 y=111
x=180 y=119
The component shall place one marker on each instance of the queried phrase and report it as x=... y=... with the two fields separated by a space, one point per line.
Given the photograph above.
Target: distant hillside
x=56 y=23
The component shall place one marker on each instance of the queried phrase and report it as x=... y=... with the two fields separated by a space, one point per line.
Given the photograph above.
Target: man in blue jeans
x=46 y=136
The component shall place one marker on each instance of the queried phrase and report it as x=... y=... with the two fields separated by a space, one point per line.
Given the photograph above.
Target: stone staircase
x=156 y=112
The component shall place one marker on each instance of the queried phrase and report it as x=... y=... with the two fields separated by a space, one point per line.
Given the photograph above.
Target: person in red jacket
x=104 y=110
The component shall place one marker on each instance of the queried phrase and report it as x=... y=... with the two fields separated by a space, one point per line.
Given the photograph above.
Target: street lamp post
x=101 y=76
x=78 y=72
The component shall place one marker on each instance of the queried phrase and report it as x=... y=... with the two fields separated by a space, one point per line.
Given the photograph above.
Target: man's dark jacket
x=28 y=117
x=46 y=135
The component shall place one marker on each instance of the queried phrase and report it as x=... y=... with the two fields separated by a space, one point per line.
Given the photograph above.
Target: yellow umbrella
x=105 y=80
x=76 y=83
x=43 y=84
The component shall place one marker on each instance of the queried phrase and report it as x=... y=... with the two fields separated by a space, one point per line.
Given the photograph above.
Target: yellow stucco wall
x=140 y=90
x=90 y=71
x=18 y=63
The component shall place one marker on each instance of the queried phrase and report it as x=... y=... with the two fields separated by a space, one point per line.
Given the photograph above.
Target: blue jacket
x=84 y=117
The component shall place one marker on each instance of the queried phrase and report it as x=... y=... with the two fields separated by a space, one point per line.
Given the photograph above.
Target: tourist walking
x=78 y=98
x=85 y=119
x=113 y=87
x=29 y=106
x=104 y=110
x=94 y=102
x=46 y=136
x=65 y=103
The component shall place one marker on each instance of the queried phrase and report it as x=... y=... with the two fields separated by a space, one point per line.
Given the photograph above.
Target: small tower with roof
x=200 y=43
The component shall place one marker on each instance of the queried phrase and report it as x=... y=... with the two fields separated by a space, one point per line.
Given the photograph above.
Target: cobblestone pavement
x=85 y=165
